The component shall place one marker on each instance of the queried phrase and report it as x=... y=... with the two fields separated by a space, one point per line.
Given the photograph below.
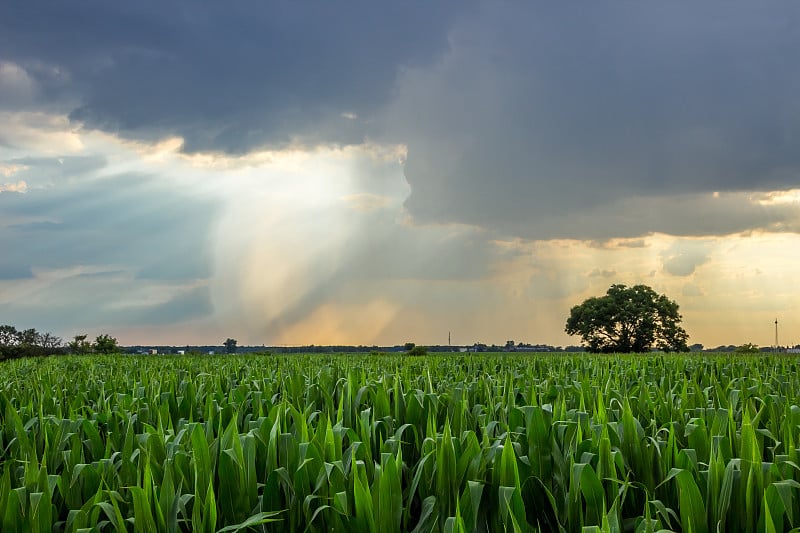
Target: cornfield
x=445 y=443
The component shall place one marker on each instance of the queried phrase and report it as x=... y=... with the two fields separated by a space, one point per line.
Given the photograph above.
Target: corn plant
x=442 y=443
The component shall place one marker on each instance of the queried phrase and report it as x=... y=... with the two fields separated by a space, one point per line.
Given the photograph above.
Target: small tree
x=9 y=336
x=230 y=345
x=628 y=319
x=79 y=344
x=28 y=337
x=105 y=344
x=418 y=351
x=409 y=346
x=747 y=349
x=49 y=341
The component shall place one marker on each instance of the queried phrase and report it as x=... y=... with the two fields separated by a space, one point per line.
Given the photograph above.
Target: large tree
x=628 y=319
x=230 y=345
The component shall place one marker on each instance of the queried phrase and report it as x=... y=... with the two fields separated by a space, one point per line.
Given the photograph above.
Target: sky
x=371 y=173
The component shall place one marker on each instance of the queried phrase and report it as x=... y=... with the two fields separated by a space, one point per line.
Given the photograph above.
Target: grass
x=440 y=443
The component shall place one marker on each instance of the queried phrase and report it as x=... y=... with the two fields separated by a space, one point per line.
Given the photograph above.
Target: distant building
x=153 y=351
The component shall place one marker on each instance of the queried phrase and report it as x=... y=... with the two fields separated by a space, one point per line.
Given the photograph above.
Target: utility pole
x=776 y=335
x=448 y=338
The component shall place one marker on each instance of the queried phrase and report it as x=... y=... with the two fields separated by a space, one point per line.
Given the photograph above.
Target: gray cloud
x=189 y=304
x=685 y=215
x=634 y=243
x=692 y=290
x=9 y=271
x=126 y=219
x=683 y=257
x=602 y=273
x=17 y=88
x=85 y=249
x=85 y=252
x=105 y=300
x=38 y=226
x=516 y=115
x=540 y=114
x=46 y=170
x=225 y=76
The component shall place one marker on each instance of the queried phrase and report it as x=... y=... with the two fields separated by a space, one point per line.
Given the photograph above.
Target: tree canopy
x=230 y=345
x=105 y=344
x=628 y=319
x=79 y=344
x=27 y=343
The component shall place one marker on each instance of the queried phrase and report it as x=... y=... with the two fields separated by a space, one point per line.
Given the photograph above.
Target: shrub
x=418 y=351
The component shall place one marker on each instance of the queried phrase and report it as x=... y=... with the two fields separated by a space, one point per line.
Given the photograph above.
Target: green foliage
x=628 y=319
x=748 y=349
x=9 y=335
x=230 y=345
x=435 y=444
x=79 y=345
x=409 y=346
x=105 y=344
x=418 y=351
x=16 y=343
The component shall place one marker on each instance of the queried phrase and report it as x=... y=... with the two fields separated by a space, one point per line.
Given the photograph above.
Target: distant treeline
x=16 y=343
x=399 y=348
x=143 y=349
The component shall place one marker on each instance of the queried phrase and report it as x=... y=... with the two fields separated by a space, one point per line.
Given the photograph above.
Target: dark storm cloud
x=533 y=119
x=549 y=111
x=226 y=76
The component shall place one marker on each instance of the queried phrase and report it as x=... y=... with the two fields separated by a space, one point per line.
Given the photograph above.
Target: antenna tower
x=776 y=335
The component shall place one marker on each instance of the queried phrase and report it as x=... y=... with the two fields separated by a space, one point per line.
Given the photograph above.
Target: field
x=389 y=443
